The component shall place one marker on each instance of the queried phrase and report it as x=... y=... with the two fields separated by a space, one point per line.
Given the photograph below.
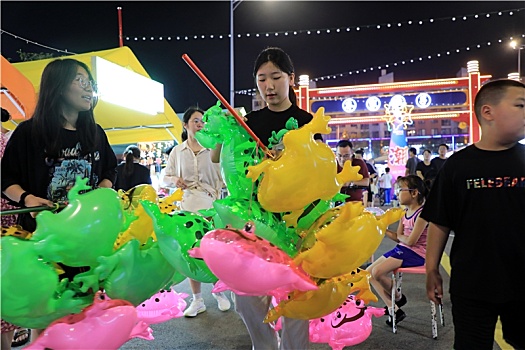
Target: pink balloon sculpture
x=106 y=324
x=351 y=324
x=249 y=265
x=161 y=307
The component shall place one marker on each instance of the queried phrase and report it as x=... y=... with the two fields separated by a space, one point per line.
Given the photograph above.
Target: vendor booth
x=131 y=106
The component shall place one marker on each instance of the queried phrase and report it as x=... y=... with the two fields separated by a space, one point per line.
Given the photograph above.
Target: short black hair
x=412 y=150
x=445 y=145
x=492 y=92
x=344 y=144
x=359 y=151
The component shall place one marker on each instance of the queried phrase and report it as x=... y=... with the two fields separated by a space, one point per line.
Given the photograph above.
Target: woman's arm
x=170 y=178
x=216 y=153
x=15 y=193
x=419 y=227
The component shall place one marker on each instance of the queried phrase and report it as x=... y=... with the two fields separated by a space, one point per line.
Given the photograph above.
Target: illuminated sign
x=423 y=100
x=349 y=105
x=398 y=113
x=123 y=87
x=373 y=103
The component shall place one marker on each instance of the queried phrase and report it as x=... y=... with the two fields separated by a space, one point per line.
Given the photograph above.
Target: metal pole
x=519 y=62
x=232 y=93
x=120 y=37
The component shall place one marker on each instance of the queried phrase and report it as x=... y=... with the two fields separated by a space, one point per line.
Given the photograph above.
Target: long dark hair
x=48 y=119
x=186 y=118
x=281 y=60
x=131 y=153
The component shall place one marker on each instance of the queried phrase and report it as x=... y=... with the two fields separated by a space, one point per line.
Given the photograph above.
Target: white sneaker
x=196 y=307
x=222 y=301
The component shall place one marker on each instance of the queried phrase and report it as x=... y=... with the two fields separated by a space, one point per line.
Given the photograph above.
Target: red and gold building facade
x=434 y=103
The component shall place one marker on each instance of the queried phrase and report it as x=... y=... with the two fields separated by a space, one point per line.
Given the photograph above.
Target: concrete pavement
x=214 y=329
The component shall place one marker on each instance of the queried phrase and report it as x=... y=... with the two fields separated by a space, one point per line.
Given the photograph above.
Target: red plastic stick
x=217 y=94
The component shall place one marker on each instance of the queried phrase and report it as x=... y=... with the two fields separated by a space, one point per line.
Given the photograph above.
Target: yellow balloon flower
x=304 y=172
x=345 y=238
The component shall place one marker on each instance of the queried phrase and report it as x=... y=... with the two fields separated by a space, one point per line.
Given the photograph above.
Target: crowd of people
x=45 y=154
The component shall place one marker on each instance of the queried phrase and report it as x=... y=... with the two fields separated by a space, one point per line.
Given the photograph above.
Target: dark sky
x=91 y=26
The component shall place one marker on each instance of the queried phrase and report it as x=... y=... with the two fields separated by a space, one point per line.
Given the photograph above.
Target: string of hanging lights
x=327 y=31
x=399 y=63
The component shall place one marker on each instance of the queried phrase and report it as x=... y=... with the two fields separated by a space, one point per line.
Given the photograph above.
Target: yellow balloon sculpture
x=167 y=205
x=142 y=228
x=330 y=295
x=345 y=238
x=306 y=170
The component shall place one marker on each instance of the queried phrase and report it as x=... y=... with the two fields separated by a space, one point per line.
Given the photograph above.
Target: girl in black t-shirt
x=61 y=141
x=274 y=76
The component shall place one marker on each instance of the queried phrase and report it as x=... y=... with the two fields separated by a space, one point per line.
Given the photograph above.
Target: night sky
x=82 y=27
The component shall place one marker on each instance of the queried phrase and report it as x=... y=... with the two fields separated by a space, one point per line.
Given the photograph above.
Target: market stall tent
x=122 y=125
x=17 y=93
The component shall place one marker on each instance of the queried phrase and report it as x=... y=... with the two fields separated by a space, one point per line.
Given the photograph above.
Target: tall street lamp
x=233 y=5
x=515 y=45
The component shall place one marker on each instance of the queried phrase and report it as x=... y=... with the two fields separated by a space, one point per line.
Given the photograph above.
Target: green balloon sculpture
x=177 y=233
x=239 y=150
x=135 y=273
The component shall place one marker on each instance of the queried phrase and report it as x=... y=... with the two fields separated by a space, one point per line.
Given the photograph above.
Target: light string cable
x=417 y=59
x=330 y=31
x=35 y=43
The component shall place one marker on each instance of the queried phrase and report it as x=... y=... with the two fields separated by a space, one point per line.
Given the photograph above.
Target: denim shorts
x=409 y=257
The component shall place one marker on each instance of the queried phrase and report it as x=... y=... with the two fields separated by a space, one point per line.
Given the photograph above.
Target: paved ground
x=225 y=330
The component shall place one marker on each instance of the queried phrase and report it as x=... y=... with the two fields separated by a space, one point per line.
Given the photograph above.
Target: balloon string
x=217 y=94
x=253 y=186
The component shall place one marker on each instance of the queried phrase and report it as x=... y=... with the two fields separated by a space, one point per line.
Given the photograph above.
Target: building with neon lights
x=442 y=112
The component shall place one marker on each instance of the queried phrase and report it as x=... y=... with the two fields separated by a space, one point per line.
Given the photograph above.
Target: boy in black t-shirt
x=479 y=194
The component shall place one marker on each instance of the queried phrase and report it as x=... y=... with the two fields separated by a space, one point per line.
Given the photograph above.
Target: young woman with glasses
x=61 y=141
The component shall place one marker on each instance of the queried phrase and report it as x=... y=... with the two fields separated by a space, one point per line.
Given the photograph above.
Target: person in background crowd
x=479 y=193
x=385 y=184
x=424 y=169
x=438 y=162
x=11 y=335
x=191 y=169
x=131 y=173
x=368 y=196
x=344 y=153
x=413 y=160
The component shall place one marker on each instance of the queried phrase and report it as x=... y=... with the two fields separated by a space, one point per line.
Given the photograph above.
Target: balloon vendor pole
x=217 y=94
x=120 y=36
x=55 y=207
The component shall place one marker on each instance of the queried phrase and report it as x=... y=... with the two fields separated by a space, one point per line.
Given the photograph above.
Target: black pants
x=475 y=322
